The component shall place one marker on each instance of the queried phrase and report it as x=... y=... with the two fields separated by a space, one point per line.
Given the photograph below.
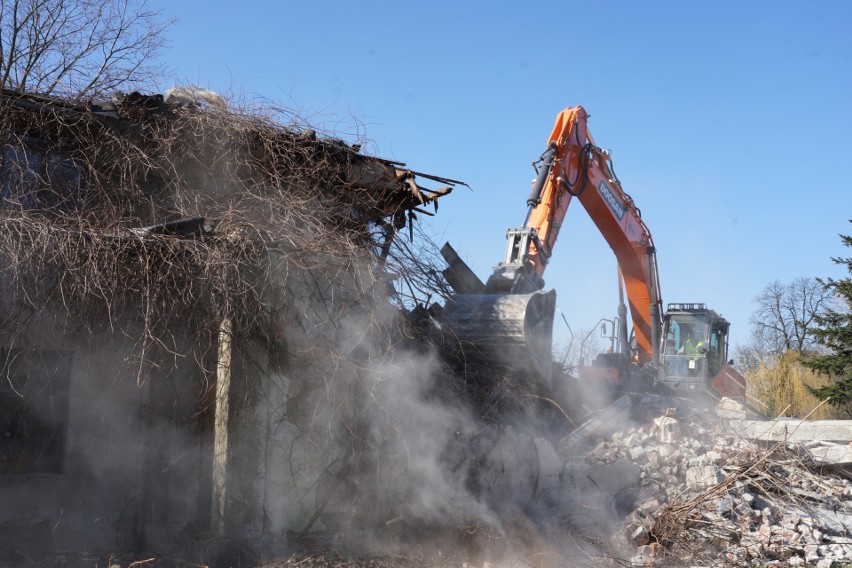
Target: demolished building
x=186 y=294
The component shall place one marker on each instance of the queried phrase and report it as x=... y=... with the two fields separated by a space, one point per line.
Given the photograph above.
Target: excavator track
x=511 y=330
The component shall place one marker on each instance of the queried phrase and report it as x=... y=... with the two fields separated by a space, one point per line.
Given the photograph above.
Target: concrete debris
x=730 y=408
x=712 y=491
x=665 y=429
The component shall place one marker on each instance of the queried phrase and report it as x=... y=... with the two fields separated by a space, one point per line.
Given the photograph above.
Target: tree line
x=799 y=355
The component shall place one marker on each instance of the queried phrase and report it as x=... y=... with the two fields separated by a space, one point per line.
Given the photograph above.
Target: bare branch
x=79 y=48
x=785 y=315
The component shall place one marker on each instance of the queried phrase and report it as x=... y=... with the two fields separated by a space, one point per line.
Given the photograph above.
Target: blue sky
x=730 y=123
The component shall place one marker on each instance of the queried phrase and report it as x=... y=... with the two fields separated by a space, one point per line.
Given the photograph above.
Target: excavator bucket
x=730 y=383
x=510 y=330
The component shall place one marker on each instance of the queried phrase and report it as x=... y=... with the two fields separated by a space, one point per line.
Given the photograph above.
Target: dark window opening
x=33 y=410
x=36 y=181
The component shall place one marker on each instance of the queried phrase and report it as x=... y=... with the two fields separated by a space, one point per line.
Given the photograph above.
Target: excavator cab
x=694 y=353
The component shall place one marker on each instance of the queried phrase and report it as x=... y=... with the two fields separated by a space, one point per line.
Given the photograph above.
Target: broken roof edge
x=391 y=178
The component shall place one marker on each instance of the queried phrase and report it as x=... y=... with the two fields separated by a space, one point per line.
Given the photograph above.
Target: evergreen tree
x=834 y=332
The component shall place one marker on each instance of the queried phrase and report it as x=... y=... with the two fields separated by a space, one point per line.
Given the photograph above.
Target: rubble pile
x=710 y=497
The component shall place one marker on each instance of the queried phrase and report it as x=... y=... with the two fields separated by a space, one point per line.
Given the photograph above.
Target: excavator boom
x=508 y=313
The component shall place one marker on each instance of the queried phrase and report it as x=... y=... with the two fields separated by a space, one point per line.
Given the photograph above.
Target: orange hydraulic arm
x=572 y=166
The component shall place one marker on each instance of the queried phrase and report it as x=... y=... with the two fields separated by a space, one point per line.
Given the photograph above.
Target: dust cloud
x=412 y=458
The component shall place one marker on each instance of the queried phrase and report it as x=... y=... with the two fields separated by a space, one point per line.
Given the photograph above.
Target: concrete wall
x=177 y=454
x=290 y=405
x=132 y=472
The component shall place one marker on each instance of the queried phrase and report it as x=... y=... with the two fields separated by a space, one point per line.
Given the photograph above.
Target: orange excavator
x=509 y=318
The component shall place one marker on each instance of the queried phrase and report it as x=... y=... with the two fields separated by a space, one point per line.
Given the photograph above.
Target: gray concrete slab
x=795 y=431
x=840 y=454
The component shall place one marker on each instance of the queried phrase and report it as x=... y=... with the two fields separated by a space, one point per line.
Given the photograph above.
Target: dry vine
x=80 y=185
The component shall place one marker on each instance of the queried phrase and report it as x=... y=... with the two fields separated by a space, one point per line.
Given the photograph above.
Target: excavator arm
x=583 y=171
x=508 y=316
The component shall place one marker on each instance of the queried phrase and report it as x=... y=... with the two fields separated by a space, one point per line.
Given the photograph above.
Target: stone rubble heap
x=709 y=497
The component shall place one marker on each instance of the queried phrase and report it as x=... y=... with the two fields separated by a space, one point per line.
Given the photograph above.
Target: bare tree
x=785 y=317
x=79 y=48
